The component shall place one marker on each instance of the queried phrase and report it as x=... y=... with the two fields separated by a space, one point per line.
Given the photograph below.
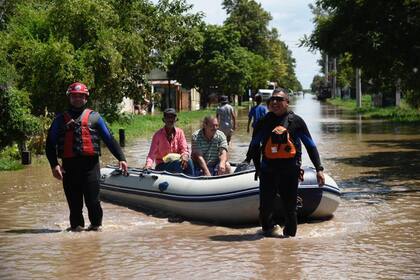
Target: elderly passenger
x=210 y=149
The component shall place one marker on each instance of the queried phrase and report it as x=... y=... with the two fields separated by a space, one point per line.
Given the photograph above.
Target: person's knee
x=93 y=202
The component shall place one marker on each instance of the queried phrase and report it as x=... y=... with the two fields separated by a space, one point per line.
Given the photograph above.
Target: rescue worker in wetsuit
x=74 y=136
x=278 y=136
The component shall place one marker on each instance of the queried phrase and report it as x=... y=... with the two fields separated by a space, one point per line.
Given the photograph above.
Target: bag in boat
x=171 y=157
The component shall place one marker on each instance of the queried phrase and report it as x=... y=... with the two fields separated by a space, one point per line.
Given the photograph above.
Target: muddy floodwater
x=374 y=233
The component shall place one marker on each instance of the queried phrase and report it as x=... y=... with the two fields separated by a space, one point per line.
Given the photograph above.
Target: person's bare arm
x=234 y=120
x=199 y=159
x=320 y=178
x=223 y=156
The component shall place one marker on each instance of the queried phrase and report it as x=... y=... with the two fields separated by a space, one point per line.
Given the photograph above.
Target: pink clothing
x=160 y=146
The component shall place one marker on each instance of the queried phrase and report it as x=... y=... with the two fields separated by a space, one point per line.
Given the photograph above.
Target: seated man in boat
x=210 y=149
x=169 y=147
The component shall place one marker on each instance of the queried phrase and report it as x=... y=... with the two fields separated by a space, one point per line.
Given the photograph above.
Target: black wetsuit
x=82 y=173
x=280 y=176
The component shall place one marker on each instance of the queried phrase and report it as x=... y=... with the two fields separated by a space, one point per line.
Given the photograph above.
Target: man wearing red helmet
x=74 y=136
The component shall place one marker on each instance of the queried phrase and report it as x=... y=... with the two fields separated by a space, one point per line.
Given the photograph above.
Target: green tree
x=317 y=82
x=220 y=64
x=381 y=37
x=109 y=45
x=17 y=123
x=345 y=71
x=251 y=21
x=282 y=64
x=7 y=10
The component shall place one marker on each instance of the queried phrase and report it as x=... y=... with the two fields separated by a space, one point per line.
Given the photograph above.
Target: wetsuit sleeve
x=254 y=149
x=52 y=140
x=305 y=137
x=109 y=140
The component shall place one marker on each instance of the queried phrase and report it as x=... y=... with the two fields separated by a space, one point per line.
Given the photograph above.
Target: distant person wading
x=226 y=118
x=257 y=112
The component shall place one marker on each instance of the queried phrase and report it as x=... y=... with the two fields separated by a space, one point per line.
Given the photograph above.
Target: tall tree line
x=239 y=55
x=112 y=45
x=379 y=37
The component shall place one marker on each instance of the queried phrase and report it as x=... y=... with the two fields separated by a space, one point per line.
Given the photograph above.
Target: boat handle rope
x=118 y=172
x=146 y=174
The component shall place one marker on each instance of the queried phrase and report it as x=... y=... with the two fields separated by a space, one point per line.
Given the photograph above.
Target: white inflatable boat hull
x=227 y=199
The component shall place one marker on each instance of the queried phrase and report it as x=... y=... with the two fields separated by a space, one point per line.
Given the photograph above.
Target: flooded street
x=373 y=235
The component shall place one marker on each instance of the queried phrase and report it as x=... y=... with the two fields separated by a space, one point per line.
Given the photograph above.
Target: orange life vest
x=279 y=144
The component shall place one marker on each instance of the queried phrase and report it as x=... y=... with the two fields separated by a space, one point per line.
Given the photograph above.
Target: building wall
x=184 y=100
x=179 y=98
x=195 y=99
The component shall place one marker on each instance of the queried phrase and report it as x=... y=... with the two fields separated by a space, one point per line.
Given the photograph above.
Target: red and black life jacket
x=79 y=137
x=279 y=144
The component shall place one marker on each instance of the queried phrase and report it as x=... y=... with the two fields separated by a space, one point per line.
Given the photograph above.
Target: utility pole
x=169 y=99
x=398 y=93
x=334 y=81
x=358 y=88
x=326 y=69
x=152 y=99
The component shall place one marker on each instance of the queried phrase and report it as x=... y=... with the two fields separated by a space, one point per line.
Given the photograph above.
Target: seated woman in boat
x=169 y=149
x=210 y=149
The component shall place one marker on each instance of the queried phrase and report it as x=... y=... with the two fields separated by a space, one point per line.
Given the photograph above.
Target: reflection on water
x=373 y=234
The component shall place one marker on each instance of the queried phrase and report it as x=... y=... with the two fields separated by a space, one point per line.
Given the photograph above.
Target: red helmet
x=77 y=88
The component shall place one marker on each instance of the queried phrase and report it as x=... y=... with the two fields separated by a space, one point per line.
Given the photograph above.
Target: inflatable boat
x=226 y=199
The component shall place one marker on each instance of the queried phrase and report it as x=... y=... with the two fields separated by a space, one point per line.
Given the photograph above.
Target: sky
x=292 y=18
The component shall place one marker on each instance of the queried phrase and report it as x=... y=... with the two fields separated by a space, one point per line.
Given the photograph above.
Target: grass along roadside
x=10 y=159
x=404 y=113
x=145 y=126
x=135 y=126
